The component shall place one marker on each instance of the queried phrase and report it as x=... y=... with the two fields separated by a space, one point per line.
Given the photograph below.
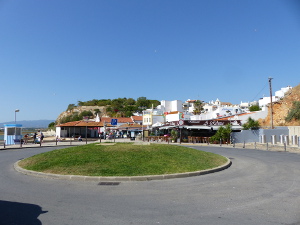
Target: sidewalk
x=67 y=143
x=257 y=146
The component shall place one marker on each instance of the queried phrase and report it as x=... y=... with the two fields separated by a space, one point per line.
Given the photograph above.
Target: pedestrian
x=42 y=137
x=34 y=137
x=25 y=138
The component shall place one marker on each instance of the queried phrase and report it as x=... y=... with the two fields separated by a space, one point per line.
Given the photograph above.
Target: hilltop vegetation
x=120 y=107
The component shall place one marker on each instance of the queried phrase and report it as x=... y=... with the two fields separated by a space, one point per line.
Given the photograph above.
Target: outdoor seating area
x=198 y=139
x=158 y=138
x=189 y=139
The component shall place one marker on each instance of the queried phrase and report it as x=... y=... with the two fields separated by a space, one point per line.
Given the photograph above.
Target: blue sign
x=114 y=121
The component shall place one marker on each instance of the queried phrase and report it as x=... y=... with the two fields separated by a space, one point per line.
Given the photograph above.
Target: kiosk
x=12 y=133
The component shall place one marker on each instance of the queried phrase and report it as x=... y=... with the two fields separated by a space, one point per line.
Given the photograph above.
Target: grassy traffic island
x=122 y=159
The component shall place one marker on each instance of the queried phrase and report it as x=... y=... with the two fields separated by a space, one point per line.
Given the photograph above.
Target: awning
x=197 y=127
x=167 y=127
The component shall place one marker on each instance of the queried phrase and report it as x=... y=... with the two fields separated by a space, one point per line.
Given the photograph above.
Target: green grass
x=122 y=159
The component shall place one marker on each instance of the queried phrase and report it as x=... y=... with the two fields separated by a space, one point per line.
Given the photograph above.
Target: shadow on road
x=15 y=213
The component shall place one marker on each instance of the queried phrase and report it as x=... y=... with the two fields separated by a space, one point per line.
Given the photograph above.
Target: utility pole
x=270 y=84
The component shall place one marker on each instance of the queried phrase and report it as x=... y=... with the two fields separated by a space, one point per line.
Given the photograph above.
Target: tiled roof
x=226 y=103
x=137 y=118
x=83 y=124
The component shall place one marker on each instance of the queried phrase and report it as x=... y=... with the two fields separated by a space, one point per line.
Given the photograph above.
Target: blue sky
x=55 y=53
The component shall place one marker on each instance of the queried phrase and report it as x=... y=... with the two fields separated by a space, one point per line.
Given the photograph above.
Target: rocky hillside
x=281 y=109
x=80 y=109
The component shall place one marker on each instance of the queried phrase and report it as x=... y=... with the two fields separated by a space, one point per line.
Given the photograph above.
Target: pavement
x=70 y=142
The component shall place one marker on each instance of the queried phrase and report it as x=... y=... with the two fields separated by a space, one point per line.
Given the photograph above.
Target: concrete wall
x=255 y=135
x=294 y=130
x=278 y=131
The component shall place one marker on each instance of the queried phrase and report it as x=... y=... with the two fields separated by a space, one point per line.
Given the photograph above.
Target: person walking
x=34 y=137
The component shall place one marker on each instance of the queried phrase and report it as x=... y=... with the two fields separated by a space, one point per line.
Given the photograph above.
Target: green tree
x=198 y=107
x=223 y=133
x=130 y=101
x=253 y=108
x=85 y=114
x=142 y=103
x=294 y=113
x=71 y=106
x=251 y=124
x=154 y=103
x=51 y=126
x=97 y=111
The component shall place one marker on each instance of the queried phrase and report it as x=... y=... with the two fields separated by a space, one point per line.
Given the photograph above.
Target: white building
x=278 y=95
x=170 y=106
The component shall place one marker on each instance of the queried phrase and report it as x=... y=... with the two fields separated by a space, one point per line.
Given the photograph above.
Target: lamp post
x=17 y=110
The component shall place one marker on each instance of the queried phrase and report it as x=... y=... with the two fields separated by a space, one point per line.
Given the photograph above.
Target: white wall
x=171 y=106
x=254 y=115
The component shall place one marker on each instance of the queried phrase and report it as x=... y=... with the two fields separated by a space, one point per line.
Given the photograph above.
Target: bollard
x=286 y=139
x=55 y=141
x=40 y=143
x=299 y=142
x=233 y=143
x=244 y=145
x=284 y=146
x=263 y=138
x=294 y=140
x=4 y=144
x=220 y=142
x=267 y=146
x=20 y=143
x=274 y=141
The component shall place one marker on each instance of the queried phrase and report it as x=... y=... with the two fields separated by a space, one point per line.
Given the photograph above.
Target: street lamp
x=17 y=110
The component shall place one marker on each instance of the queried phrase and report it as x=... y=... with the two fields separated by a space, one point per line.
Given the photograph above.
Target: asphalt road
x=259 y=188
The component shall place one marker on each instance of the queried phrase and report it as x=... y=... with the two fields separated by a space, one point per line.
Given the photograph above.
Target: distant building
x=278 y=95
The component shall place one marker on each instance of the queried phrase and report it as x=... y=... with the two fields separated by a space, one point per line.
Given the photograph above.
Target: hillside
x=80 y=109
x=281 y=109
x=120 y=107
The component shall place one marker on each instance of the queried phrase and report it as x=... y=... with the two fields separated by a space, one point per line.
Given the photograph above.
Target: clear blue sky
x=55 y=53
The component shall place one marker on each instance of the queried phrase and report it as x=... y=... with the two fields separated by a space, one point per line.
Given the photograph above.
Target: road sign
x=180 y=122
x=114 y=122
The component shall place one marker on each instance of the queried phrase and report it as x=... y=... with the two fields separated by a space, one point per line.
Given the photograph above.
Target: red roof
x=137 y=118
x=83 y=124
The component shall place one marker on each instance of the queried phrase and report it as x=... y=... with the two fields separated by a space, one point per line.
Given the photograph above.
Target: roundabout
x=259 y=187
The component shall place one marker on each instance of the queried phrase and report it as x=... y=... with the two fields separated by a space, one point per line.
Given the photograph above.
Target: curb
x=129 y=178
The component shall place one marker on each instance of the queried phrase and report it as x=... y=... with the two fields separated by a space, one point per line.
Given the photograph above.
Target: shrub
x=294 y=113
x=251 y=124
x=222 y=134
x=253 y=108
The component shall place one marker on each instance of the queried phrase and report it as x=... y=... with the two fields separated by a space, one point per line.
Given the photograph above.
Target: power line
x=260 y=92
